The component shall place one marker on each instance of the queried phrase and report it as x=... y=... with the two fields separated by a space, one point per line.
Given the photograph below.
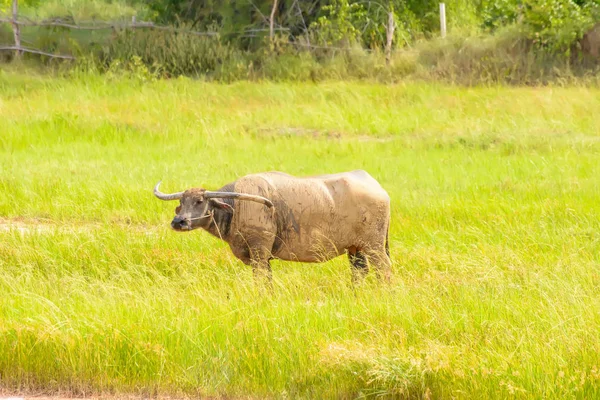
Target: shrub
x=552 y=25
x=171 y=52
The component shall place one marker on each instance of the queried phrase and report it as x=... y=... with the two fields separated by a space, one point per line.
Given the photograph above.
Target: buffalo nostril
x=179 y=223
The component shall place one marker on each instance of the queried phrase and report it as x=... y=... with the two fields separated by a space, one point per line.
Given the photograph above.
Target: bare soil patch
x=41 y=225
x=323 y=134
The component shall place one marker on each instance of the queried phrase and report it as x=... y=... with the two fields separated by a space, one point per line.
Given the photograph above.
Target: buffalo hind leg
x=358 y=263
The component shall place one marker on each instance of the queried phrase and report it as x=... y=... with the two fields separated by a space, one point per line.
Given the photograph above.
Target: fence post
x=443 y=19
x=272 y=22
x=390 y=28
x=16 y=28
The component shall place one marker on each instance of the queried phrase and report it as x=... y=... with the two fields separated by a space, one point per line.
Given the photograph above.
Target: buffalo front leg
x=261 y=266
x=358 y=264
x=262 y=270
x=381 y=262
x=255 y=253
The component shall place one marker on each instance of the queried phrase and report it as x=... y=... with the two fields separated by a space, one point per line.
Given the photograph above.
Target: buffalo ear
x=222 y=205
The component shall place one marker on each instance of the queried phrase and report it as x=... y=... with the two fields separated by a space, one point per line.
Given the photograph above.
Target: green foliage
x=537 y=37
x=554 y=25
x=338 y=24
x=6 y=5
x=499 y=13
x=83 y=9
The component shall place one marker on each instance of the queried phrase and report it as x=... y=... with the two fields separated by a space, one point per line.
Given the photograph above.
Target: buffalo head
x=197 y=206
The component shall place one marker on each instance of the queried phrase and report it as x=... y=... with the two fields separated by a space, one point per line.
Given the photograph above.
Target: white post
x=443 y=19
x=391 y=26
x=16 y=28
x=272 y=22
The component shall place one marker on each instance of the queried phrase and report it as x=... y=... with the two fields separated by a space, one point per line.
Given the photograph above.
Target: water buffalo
x=307 y=219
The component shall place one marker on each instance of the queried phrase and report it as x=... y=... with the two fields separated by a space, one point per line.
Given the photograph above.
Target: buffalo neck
x=220 y=224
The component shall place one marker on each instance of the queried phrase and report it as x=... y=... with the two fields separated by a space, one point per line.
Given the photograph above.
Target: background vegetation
x=512 y=41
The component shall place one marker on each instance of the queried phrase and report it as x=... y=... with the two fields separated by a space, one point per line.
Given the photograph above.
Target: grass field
x=495 y=240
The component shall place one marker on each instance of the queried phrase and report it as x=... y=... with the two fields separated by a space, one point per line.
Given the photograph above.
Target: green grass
x=78 y=9
x=495 y=239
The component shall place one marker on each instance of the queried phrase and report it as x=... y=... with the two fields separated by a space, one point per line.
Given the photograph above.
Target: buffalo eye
x=198 y=202
x=178 y=209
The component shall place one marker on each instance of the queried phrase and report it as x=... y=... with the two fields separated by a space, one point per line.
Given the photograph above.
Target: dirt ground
x=94 y=397
x=40 y=225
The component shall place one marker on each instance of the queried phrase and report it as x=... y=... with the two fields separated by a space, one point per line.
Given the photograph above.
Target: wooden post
x=443 y=20
x=16 y=28
x=272 y=22
x=390 y=28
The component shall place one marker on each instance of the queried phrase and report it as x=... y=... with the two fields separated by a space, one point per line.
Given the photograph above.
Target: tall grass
x=494 y=240
x=80 y=9
x=506 y=57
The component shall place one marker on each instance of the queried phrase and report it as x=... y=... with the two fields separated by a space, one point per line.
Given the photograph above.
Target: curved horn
x=164 y=196
x=240 y=196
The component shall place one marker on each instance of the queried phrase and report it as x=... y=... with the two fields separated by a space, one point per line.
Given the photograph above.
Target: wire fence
x=266 y=25
x=17 y=22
